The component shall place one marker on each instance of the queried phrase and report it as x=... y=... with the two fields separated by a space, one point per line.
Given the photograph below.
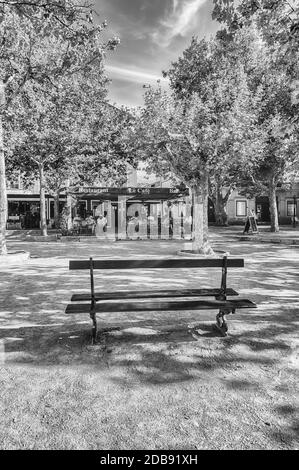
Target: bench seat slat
x=151 y=294
x=156 y=263
x=160 y=305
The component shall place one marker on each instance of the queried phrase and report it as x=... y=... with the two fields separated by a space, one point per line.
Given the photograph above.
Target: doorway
x=262 y=208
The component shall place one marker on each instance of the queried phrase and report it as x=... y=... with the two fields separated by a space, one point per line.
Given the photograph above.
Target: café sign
x=130 y=191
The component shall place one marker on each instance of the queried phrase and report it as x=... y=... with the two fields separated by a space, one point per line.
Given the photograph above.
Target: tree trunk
x=69 y=205
x=3 y=196
x=200 y=230
x=273 y=205
x=220 y=208
x=43 y=219
x=56 y=209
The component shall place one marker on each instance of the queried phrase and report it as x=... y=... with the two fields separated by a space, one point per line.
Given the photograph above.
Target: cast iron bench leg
x=221 y=323
x=94 y=327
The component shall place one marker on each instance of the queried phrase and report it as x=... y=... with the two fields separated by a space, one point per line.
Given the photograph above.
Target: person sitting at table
x=90 y=222
x=77 y=224
x=101 y=227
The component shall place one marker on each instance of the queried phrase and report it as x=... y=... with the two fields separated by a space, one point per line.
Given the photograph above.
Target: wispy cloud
x=132 y=75
x=180 y=19
x=153 y=34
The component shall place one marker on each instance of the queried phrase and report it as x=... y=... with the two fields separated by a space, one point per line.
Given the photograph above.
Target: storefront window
x=26 y=212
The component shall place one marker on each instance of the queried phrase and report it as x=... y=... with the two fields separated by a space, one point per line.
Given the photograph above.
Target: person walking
x=250 y=224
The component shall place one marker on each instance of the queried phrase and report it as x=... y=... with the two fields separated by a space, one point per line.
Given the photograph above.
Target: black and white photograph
x=149 y=228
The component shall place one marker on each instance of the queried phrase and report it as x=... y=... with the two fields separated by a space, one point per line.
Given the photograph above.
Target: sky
x=153 y=33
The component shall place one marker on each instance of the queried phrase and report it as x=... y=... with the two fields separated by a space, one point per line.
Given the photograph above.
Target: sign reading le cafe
x=143 y=193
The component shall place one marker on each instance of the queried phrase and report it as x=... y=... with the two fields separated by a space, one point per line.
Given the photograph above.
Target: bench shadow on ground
x=160 y=348
x=40 y=295
x=46 y=343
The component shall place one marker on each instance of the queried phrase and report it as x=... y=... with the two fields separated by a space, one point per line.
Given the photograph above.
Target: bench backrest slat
x=156 y=263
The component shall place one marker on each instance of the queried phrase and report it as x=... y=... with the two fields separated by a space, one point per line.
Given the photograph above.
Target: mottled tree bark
x=43 y=218
x=69 y=205
x=220 y=204
x=220 y=208
x=221 y=214
x=3 y=195
x=273 y=204
x=56 y=209
x=200 y=229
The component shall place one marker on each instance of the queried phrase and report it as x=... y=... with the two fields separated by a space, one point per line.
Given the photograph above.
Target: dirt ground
x=156 y=380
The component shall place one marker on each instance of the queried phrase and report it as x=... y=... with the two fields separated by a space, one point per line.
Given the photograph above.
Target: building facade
x=23 y=203
x=239 y=206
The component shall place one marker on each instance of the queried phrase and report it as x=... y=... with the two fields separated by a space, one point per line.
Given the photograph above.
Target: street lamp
x=294 y=214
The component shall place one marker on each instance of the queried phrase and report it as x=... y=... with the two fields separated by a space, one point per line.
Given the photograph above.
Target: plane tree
x=204 y=131
x=184 y=137
x=275 y=79
x=67 y=136
x=39 y=43
x=278 y=20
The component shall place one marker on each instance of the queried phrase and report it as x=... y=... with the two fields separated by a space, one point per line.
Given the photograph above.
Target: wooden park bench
x=117 y=301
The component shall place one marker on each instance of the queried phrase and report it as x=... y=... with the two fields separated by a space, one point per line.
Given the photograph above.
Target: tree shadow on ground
x=36 y=296
x=289 y=432
x=160 y=348
x=49 y=344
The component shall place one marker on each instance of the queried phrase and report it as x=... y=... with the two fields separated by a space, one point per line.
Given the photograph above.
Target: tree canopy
x=42 y=44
